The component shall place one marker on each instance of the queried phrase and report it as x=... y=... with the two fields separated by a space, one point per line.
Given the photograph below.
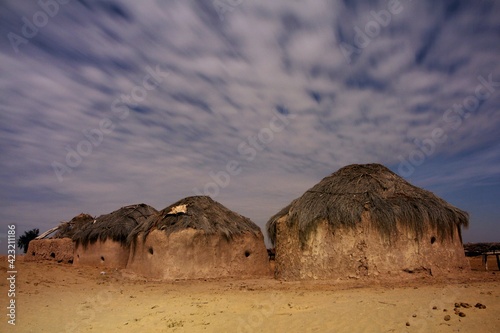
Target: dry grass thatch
x=68 y=229
x=342 y=197
x=116 y=225
x=200 y=213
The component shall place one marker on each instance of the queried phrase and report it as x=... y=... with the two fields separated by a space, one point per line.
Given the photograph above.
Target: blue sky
x=110 y=103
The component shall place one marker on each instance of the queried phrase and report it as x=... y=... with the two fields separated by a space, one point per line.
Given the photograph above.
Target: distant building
x=60 y=247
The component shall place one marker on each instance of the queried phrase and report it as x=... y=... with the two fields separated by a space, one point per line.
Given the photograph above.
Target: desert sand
x=59 y=297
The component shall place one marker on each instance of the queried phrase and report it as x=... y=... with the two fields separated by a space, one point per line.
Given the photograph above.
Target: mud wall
x=106 y=254
x=57 y=249
x=191 y=254
x=363 y=252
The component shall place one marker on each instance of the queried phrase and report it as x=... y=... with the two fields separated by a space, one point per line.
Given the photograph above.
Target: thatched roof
x=68 y=229
x=200 y=213
x=342 y=197
x=116 y=225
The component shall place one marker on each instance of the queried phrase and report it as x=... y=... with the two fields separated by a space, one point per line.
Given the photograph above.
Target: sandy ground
x=52 y=297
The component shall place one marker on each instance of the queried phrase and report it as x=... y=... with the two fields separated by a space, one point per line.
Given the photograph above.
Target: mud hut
x=58 y=247
x=104 y=242
x=197 y=237
x=364 y=220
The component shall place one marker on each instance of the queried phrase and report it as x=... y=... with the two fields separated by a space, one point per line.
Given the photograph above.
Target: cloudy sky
x=110 y=103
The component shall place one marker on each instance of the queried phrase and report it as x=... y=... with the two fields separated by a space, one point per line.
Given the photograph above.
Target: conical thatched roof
x=116 y=225
x=342 y=197
x=68 y=229
x=197 y=212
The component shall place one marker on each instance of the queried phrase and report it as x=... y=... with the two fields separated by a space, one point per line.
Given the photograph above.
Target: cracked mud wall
x=363 y=252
